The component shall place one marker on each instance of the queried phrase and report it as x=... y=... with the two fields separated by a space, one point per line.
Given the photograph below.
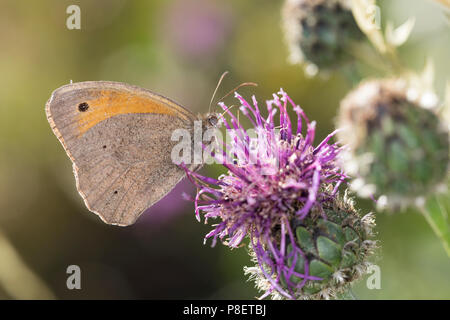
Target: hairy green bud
x=333 y=246
x=398 y=148
x=320 y=31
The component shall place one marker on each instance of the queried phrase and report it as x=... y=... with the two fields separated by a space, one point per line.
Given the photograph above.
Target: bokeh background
x=177 y=48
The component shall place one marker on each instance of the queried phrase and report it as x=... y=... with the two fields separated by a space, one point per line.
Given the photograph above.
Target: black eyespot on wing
x=104 y=147
x=83 y=107
x=115 y=192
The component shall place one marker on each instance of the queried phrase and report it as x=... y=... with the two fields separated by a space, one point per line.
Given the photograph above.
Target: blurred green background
x=177 y=48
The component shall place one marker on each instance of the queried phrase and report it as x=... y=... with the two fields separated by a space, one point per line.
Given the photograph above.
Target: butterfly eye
x=212 y=120
x=83 y=106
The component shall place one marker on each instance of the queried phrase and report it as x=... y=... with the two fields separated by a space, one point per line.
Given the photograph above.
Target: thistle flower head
x=271 y=189
x=325 y=253
x=398 y=146
x=319 y=32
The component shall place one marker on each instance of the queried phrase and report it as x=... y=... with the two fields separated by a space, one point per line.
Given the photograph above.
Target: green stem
x=437 y=217
x=387 y=63
x=366 y=54
x=16 y=277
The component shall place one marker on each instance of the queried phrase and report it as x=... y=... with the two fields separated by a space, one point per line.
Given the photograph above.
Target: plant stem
x=436 y=215
x=16 y=278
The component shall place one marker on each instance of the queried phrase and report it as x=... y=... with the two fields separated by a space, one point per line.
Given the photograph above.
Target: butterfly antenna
x=245 y=84
x=228 y=109
x=215 y=91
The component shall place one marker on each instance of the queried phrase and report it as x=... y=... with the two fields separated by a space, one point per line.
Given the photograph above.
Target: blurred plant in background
x=205 y=31
x=17 y=278
x=399 y=146
x=320 y=33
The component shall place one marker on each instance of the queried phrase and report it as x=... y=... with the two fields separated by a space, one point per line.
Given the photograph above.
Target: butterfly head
x=212 y=120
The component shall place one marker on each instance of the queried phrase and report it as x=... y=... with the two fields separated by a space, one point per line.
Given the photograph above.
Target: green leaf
x=311 y=289
x=305 y=240
x=329 y=251
x=351 y=235
x=333 y=231
x=299 y=264
x=319 y=269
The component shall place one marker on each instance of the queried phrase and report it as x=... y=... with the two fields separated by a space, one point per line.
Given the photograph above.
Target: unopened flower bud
x=319 y=32
x=399 y=147
x=326 y=253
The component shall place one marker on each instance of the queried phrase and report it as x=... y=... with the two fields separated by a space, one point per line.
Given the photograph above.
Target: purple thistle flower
x=262 y=195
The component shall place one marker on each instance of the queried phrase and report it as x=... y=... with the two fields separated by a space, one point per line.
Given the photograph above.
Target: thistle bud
x=399 y=147
x=326 y=253
x=319 y=31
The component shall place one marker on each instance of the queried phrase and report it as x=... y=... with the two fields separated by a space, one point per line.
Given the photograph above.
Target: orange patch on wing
x=113 y=103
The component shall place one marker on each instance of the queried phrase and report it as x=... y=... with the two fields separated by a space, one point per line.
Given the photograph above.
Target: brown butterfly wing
x=119 y=140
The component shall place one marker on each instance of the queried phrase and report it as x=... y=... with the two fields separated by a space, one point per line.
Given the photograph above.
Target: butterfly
x=118 y=137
